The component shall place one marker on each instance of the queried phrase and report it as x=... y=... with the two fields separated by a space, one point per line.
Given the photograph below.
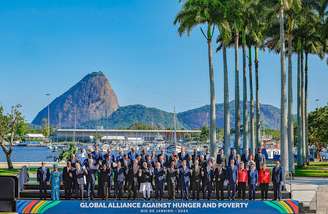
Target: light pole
x=48 y=95
x=317 y=102
x=74 y=133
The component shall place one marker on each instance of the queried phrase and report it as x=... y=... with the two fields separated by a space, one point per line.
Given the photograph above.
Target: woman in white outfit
x=81 y=179
x=145 y=175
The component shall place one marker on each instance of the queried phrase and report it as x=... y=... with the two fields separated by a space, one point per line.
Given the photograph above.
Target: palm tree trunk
x=257 y=109
x=305 y=108
x=283 y=101
x=237 y=101
x=245 y=116
x=226 y=103
x=302 y=109
x=212 y=95
x=299 y=111
x=290 y=107
x=251 y=98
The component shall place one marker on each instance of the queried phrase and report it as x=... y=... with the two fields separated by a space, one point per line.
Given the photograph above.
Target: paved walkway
x=313 y=192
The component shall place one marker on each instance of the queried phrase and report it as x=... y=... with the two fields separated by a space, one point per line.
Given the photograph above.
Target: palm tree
x=251 y=104
x=291 y=25
x=235 y=19
x=245 y=115
x=224 y=39
x=258 y=31
x=192 y=14
x=283 y=114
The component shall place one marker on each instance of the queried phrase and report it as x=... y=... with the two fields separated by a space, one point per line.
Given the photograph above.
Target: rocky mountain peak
x=91 y=98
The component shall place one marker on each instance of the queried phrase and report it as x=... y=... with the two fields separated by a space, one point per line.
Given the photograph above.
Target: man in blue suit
x=252 y=181
x=43 y=177
x=277 y=180
x=185 y=174
x=159 y=180
x=232 y=176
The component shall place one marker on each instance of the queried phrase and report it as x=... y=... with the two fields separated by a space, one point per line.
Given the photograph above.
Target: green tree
x=318 y=125
x=204 y=134
x=11 y=129
x=66 y=154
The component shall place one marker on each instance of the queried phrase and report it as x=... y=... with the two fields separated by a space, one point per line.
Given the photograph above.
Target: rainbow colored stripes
x=287 y=206
x=35 y=206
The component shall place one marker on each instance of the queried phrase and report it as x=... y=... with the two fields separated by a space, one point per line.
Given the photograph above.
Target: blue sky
x=48 y=46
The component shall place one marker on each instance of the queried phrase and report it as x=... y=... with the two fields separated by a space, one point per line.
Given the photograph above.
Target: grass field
x=314 y=169
x=8 y=172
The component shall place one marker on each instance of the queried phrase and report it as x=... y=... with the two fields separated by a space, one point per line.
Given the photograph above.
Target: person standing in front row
x=92 y=168
x=43 y=176
x=232 y=176
x=242 y=180
x=80 y=175
x=264 y=180
x=277 y=180
x=196 y=180
x=145 y=175
x=207 y=181
x=119 y=178
x=159 y=174
x=55 y=183
x=185 y=180
x=171 y=178
x=253 y=179
x=68 y=180
x=220 y=177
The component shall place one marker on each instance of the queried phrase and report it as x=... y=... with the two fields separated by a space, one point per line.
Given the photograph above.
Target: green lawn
x=314 y=169
x=8 y=172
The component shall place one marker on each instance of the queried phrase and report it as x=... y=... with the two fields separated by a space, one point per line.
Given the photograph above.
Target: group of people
x=183 y=175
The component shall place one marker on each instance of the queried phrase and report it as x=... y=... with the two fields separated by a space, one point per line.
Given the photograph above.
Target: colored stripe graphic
x=29 y=206
x=21 y=205
x=287 y=206
x=37 y=206
x=48 y=206
x=44 y=205
x=275 y=206
x=293 y=206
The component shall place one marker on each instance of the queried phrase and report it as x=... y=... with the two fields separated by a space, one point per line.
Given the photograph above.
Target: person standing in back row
x=277 y=180
x=242 y=181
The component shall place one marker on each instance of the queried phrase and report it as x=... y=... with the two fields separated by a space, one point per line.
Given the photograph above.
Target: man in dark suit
x=277 y=180
x=43 y=176
x=220 y=157
x=259 y=159
x=68 y=179
x=232 y=177
x=185 y=175
x=183 y=155
x=159 y=180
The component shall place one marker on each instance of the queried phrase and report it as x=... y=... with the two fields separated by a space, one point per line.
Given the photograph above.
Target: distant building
x=121 y=134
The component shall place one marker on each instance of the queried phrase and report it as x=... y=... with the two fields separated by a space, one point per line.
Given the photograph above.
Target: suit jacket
x=232 y=174
x=68 y=174
x=40 y=173
x=183 y=157
x=277 y=175
x=184 y=175
x=220 y=176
